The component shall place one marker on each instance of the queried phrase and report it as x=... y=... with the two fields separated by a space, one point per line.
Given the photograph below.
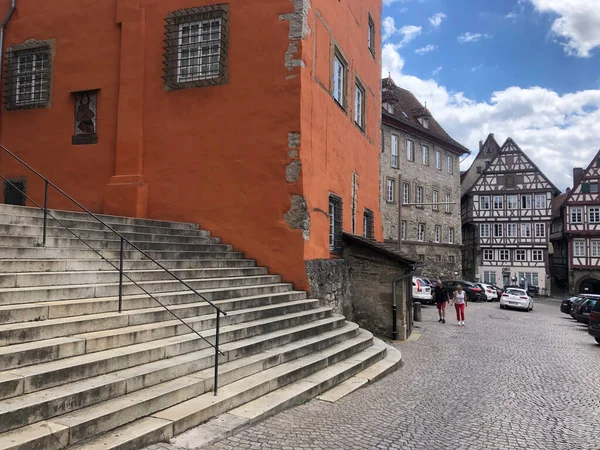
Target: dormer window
x=389 y=108
x=424 y=121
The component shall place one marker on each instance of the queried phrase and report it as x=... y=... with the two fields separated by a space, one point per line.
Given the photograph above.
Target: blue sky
x=529 y=69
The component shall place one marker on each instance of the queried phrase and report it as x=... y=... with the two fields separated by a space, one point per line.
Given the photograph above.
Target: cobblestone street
x=507 y=380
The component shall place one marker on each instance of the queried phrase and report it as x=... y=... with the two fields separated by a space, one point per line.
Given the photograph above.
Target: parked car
x=576 y=303
x=421 y=291
x=533 y=291
x=582 y=312
x=516 y=298
x=565 y=306
x=594 y=322
x=489 y=291
x=473 y=293
x=499 y=291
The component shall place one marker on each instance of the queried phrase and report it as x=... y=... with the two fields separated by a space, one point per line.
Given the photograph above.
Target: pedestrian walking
x=458 y=299
x=440 y=295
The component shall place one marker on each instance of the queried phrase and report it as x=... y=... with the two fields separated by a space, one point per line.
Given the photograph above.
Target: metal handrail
x=120 y=268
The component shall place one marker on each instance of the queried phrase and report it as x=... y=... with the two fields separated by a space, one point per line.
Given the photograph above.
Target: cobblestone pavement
x=507 y=380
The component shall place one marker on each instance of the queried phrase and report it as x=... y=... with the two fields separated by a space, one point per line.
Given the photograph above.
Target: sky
x=528 y=69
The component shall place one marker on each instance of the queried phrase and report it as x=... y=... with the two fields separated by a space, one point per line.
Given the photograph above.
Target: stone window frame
x=368 y=224
x=371 y=35
x=360 y=88
x=46 y=49
x=421 y=232
x=435 y=198
x=403 y=230
x=397 y=155
x=419 y=201
x=425 y=154
x=410 y=155
x=448 y=209
x=451 y=235
x=390 y=187
x=335 y=224
x=173 y=46
x=450 y=164
x=438 y=258
x=438 y=160
x=451 y=259
x=405 y=193
x=437 y=234
x=338 y=55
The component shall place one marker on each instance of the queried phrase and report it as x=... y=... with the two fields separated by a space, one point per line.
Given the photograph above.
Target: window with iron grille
x=335 y=224
x=403 y=230
x=27 y=82
x=196 y=47
x=368 y=224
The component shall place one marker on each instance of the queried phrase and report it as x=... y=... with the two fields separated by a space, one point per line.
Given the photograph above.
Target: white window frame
x=435 y=199
x=498 y=230
x=512 y=202
x=421 y=232
x=540 y=201
x=448 y=205
x=503 y=255
x=594 y=214
x=595 y=248
x=488 y=255
x=438 y=160
x=526 y=230
x=540 y=229
x=484 y=230
x=511 y=230
x=405 y=193
x=537 y=255
x=339 y=80
x=425 y=154
x=197 y=43
x=450 y=163
x=395 y=154
x=419 y=195
x=576 y=214
x=484 y=200
x=391 y=190
x=403 y=230
x=410 y=150
x=450 y=235
x=359 y=105
x=526 y=199
x=489 y=277
x=498 y=202
x=520 y=255
x=438 y=233
x=579 y=248
x=371 y=35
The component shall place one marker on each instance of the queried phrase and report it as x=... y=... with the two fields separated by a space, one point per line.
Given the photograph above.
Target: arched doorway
x=589 y=286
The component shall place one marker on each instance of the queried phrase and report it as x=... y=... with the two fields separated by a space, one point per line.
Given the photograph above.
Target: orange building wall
x=213 y=155
x=335 y=146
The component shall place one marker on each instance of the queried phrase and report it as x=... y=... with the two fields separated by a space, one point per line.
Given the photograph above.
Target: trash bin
x=417 y=311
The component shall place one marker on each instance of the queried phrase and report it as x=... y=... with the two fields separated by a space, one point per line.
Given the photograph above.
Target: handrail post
x=121 y=274
x=216 y=381
x=45 y=211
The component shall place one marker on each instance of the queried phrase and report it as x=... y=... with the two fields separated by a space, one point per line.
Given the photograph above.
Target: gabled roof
x=406 y=114
x=467 y=178
x=585 y=173
x=510 y=141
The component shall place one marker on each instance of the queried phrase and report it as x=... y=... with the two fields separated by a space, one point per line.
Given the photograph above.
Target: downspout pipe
x=394 y=303
x=11 y=9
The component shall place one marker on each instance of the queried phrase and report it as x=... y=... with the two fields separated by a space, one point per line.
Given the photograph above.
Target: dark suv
x=594 y=322
x=472 y=292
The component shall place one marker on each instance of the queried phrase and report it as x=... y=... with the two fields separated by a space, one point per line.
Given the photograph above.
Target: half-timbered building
x=558 y=250
x=507 y=212
x=582 y=229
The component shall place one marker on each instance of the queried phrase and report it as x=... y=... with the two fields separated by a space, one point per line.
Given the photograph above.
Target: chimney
x=577 y=175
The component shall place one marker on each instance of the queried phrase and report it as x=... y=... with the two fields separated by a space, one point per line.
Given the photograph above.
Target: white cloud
x=436 y=71
x=408 y=32
x=556 y=131
x=578 y=24
x=427 y=49
x=437 y=19
x=471 y=37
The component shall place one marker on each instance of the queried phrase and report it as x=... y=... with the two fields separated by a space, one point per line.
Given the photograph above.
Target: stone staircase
x=76 y=373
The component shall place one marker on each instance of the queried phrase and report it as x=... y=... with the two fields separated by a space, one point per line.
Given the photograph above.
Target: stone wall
x=329 y=281
x=431 y=179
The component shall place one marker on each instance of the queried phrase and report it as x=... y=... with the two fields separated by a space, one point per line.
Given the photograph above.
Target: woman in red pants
x=459 y=303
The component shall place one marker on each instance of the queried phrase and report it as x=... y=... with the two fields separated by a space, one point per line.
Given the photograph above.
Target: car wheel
x=598 y=340
x=501 y=306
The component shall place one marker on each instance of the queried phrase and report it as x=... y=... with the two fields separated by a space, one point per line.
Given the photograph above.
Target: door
x=505 y=279
x=14 y=192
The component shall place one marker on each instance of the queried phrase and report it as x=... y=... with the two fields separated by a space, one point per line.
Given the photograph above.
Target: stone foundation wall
x=329 y=281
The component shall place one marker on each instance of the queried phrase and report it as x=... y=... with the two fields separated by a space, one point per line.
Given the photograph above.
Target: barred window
x=196 y=47
x=368 y=224
x=27 y=83
x=335 y=224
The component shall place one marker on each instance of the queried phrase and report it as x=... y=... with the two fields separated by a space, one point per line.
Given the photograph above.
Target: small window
x=484 y=202
x=435 y=201
x=585 y=188
x=419 y=196
x=525 y=201
x=368 y=224
x=488 y=255
x=394 y=151
x=479 y=170
x=511 y=202
x=579 y=247
x=403 y=230
x=594 y=213
x=595 y=250
x=406 y=193
x=540 y=230
x=451 y=258
x=421 y=256
x=371 y=37
x=537 y=255
x=577 y=214
x=391 y=190
x=196 y=47
x=438 y=160
x=498 y=202
x=335 y=224
x=438 y=233
x=27 y=80
x=451 y=236
x=410 y=150
x=520 y=255
x=425 y=151
x=448 y=205
x=15 y=192
x=438 y=258
x=498 y=230
x=390 y=108
x=340 y=69
x=504 y=255
x=421 y=232
x=594 y=188
x=359 y=105
x=484 y=230
x=450 y=164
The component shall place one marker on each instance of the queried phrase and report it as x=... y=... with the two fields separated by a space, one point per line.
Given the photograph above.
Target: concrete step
x=17 y=333
x=112 y=255
x=39 y=279
x=38 y=352
x=169 y=358
x=62 y=265
x=25 y=211
x=109 y=244
x=35 y=294
x=90 y=419
x=157 y=234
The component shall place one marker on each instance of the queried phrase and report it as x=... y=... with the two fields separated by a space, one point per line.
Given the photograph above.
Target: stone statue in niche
x=85 y=118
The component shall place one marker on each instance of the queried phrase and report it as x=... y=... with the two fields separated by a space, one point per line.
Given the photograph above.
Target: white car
x=421 y=290
x=516 y=298
x=490 y=292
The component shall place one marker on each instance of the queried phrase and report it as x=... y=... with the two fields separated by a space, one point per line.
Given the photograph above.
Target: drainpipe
x=11 y=9
x=394 y=305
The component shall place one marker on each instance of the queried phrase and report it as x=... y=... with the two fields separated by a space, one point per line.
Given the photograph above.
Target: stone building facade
x=416 y=148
